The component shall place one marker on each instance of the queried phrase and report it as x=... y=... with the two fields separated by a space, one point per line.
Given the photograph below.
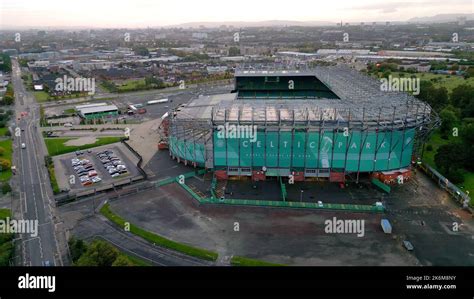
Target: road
x=36 y=202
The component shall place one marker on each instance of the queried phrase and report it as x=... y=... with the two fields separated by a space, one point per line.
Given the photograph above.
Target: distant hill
x=269 y=23
x=442 y=18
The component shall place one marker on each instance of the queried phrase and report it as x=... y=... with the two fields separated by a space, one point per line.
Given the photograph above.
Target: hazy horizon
x=149 y=13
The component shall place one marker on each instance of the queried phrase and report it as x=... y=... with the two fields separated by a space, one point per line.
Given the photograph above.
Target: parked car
x=92 y=173
x=96 y=179
x=115 y=175
x=87 y=183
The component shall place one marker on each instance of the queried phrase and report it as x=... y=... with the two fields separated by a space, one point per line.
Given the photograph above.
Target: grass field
x=136 y=260
x=56 y=145
x=41 y=96
x=6 y=174
x=69 y=111
x=159 y=240
x=132 y=85
x=6 y=247
x=3 y=131
x=244 y=261
x=436 y=141
x=448 y=81
x=52 y=179
x=4 y=213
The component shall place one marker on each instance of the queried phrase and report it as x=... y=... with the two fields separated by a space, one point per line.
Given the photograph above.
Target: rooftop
x=97 y=109
x=360 y=99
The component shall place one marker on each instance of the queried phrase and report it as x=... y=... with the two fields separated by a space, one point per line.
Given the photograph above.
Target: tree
x=234 y=51
x=467 y=136
x=448 y=120
x=439 y=98
x=2 y=151
x=122 y=260
x=5 y=164
x=455 y=176
x=386 y=74
x=140 y=50
x=454 y=67
x=436 y=97
x=463 y=97
x=6 y=188
x=450 y=156
x=77 y=248
x=99 y=253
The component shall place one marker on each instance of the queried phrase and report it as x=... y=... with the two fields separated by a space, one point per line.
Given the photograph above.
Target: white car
x=23 y=145
x=115 y=175
x=96 y=179
x=84 y=178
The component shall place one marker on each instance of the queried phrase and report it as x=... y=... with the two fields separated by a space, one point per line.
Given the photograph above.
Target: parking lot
x=95 y=167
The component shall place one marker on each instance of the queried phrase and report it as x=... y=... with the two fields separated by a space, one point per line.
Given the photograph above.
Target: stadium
x=324 y=122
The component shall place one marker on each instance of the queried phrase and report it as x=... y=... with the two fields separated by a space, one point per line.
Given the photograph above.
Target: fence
x=268 y=203
x=445 y=184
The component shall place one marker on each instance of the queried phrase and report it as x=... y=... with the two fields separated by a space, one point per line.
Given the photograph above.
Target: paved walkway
x=144 y=139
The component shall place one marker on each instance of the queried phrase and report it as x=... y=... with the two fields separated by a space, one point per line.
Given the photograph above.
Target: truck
x=387 y=228
x=157 y=101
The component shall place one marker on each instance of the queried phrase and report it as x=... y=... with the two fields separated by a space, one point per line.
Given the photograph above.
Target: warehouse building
x=95 y=111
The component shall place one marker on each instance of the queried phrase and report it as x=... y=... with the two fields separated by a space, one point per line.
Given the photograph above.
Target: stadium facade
x=321 y=122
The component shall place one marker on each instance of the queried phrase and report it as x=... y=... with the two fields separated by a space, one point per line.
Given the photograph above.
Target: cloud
x=392 y=7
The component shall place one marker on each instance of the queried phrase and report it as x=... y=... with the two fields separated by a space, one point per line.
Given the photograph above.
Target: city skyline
x=146 y=13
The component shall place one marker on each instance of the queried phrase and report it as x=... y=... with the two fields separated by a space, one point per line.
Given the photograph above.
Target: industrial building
x=325 y=122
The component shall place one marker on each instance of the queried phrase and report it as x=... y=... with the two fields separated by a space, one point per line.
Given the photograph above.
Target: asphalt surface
x=35 y=195
x=84 y=222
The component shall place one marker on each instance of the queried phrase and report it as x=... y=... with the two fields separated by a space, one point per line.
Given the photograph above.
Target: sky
x=151 y=13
